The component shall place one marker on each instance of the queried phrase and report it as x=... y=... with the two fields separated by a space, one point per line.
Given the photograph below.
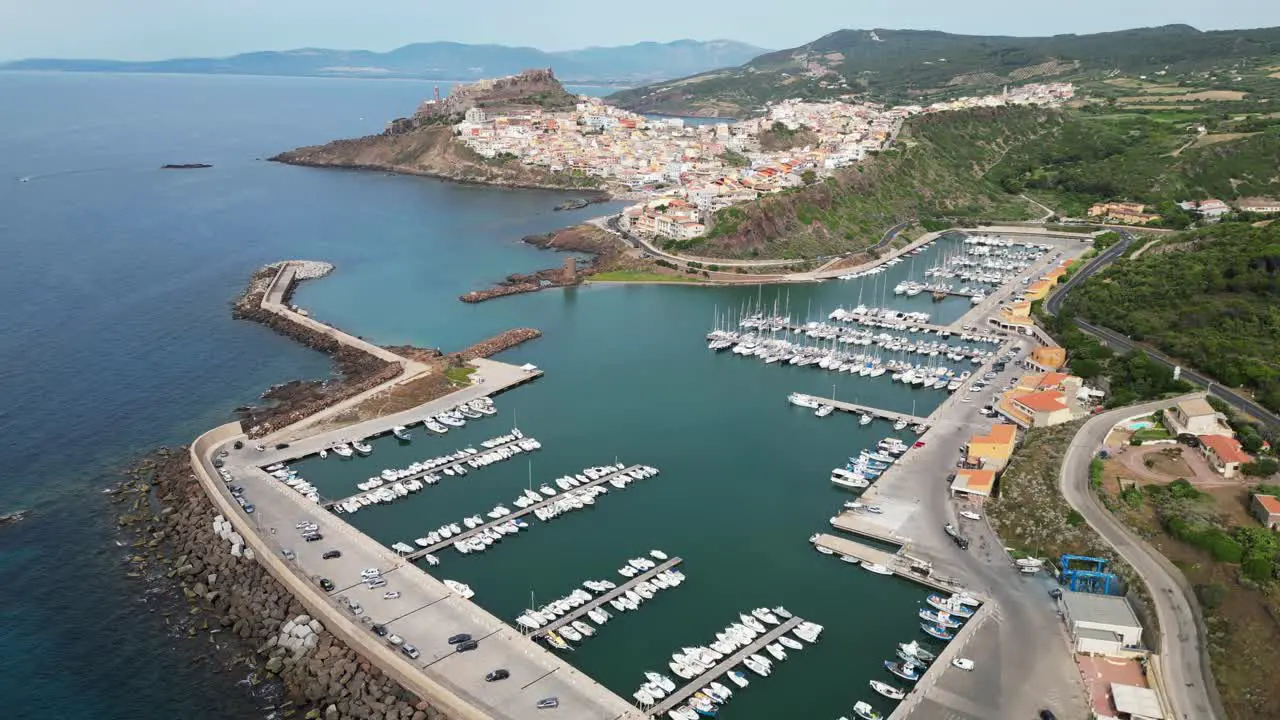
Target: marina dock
x=682 y=693
x=329 y=504
x=597 y=602
x=851 y=522
x=899 y=563
x=880 y=324
x=507 y=518
x=857 y=409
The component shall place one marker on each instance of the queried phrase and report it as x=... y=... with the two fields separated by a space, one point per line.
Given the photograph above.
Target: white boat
x=460 y=588
x=802 y=400
x=363 y=448
x=782 y=612
x=756 y=667
x=865 y=711
x=401 y=432
x=876 y=568
x=824 y=410
x=887 y=690
x=342 y=450
x=657 y=555
x=737 y=678
x=962 y=663
x=776 y=651
x=789 y=643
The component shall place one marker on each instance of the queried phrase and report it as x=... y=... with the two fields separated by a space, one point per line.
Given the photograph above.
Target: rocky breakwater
x=290 y=402
x=179 y=540
x=496 y=344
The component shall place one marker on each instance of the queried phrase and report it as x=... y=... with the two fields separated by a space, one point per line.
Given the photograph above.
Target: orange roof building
x=993 y=449
x=976 y=483
x=1048 y=358
x=1037 y=290
x=1041 y=399
x=1224 y=454
x=1267 y=509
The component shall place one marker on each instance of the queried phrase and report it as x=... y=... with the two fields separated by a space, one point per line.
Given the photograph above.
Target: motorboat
x=790 y=644
x=342 y=450
x=782 y=612
x=802 y=400
x=949 y=605
x=765 y=616
x=435 y=427
x=941 y=618
x=864 y=710
x=756 y=667
x=401 y=432
x=568 y=633
x=363 y=448
x=776 y=651
x=876 y=568
x=661 y=681
x=916 y=652
x=737 y=678
x=657 y=555
x=460 y=588
x=887 y=690
x=555 y=641
x=824 y=410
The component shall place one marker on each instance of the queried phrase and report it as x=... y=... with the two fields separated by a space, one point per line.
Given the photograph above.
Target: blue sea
x=116 y=337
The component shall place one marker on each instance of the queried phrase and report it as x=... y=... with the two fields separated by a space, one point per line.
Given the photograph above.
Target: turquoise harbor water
x=115 y=337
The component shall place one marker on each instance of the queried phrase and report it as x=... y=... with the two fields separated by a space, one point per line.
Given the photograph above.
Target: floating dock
x=417 y=555
x=682 y=693
x=597 y=602
x=855 y=408
x=329 y=504
x=908 y=326
x=852 y=522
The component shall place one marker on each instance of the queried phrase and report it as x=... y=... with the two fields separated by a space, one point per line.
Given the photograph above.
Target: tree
x=809 y=177
x=1262 y=467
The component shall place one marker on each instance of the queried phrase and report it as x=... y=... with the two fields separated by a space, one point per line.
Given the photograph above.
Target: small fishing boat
x=887 y=690
x=905 y=670
x=936 y=632
x=401 y=432
x=866 y=712
x=876 y=568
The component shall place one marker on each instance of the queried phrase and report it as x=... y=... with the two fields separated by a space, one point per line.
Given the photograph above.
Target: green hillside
x=1143 y=158
x=1210 y=298
x=937 y=169
x=913 y=65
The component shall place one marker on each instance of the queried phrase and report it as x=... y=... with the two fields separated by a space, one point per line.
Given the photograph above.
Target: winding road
x=1188 y=680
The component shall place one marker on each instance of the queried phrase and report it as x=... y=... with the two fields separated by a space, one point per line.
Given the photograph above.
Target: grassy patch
x=459 y=375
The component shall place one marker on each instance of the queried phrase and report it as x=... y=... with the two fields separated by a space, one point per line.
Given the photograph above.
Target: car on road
x=499 y=674
x=459 y=638
x=468 y=645
x=331 y=554
x=326 y=584
x=410 y=651
x=379 y=630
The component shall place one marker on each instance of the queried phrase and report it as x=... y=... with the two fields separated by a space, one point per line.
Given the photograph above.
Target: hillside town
x=686 y=171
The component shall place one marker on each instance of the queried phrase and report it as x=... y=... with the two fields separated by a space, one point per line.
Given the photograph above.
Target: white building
x=1100 y=624
x=475 y=116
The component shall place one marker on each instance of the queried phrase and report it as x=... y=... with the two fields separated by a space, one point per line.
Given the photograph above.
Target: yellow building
x=1048 y=359
x=1037 y=290
x=1042 y=400
x=992 y=451
x=1015 y=316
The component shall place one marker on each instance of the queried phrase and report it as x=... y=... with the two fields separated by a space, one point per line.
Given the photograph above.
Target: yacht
x=435 y=427
x=824 y=410
x=865 y=419
x=887 y=690
x=801 y=400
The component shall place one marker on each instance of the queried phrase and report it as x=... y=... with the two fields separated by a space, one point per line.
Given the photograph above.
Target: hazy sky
x=155 y=29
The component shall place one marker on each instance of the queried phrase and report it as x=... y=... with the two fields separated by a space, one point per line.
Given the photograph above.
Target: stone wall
x=179 y=536
x=497 y=343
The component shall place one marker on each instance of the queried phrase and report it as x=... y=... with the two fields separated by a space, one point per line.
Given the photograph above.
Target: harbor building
x=1101 y=624
x=1196 y=417
x=1046 y=359
x=1224 y=454
x=975 y=483
x=992 y=450
x=1043 y=400
x=1266 y=508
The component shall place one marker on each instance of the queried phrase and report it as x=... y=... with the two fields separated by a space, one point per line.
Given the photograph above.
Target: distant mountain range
x=638 y=63
x=902 y=65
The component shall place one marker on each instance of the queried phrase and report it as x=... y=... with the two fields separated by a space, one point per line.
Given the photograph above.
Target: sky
x=158 y=29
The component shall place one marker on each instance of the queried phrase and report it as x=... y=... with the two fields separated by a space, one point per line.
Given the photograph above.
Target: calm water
x=116 y=337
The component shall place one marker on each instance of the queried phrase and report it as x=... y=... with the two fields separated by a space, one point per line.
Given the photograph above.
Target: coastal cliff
x=425 y=144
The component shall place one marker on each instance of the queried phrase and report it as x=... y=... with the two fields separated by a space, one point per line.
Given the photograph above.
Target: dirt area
x=401 y=397
x=1167 y=96
x=1242 y=619
x=1165 y=463
x=1099 y=672
x=1215 y=138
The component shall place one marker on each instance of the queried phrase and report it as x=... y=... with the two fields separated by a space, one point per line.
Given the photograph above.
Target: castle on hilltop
x=490 y=91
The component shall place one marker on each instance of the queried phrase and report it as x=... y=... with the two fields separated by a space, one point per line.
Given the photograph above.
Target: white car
x=963 y=663
x=390 y=595
x=970 y=515
x=368 y=573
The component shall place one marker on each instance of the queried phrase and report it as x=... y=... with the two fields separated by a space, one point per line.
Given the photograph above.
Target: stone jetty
x=178 y=537
x=496 y=344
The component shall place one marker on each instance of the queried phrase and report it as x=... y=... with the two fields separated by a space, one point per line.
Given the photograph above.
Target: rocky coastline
x=502 y=341
x=227 y=596
x=13 y=518
x=290 y=402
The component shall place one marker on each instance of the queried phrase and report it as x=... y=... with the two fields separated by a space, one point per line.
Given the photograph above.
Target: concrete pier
x=872 y=324
x=855 y=408
x=601 y=600
x=329 y=504
x=898 y=562
x=682 y=693
x=506 y=518
x=852 y=522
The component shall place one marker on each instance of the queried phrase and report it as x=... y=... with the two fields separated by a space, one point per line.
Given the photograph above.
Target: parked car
x=468 y=645
x=499 y=674
x=395 y=639
x=410 y=651
x=312 y=537
x=249 y=508
x=331 y=554
x=375 y=583
x=354 y=608
x=459 y=638
x=379 y=630
x=326 y=584
x=287 y=554
x=281 y=446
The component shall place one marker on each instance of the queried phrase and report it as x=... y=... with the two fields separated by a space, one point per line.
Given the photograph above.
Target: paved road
x=1187 y=677
x=1122 y=343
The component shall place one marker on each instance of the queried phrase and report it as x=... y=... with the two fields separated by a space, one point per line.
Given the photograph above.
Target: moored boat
x=887 y=690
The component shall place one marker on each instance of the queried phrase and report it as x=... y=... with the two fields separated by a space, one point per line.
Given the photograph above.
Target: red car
x=919 y=444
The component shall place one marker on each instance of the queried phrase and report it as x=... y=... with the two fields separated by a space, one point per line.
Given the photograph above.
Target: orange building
x=1047 y=358
x=976 y=483
x=992 y=450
